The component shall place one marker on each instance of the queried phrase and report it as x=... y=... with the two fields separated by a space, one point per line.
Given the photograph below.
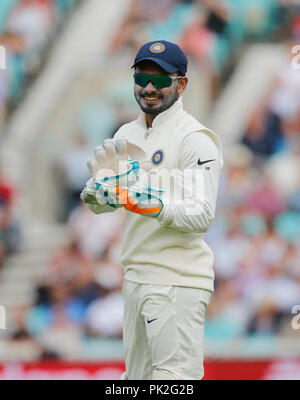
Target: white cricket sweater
x=170 y=249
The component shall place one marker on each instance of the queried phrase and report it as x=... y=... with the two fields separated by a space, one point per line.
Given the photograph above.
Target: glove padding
x=89 y=193
x=137 y=198
x=112 y=165
x=127 y=187
x=112 y=162
x=105 y=162
x=108 y=161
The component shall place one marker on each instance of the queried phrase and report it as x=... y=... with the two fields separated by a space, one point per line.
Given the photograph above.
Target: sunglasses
x=159 y=81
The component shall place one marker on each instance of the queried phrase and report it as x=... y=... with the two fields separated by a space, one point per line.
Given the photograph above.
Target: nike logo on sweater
x=204 y=162
x=149 y=322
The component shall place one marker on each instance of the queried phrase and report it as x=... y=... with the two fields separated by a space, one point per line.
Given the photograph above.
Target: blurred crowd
x=10 y=238
x=27 y=28
x=256 y=235
x=211 y=32
x=79 y=297
x=256 y=241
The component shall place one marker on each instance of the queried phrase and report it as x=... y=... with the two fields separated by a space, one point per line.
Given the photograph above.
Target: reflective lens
x=159 y=81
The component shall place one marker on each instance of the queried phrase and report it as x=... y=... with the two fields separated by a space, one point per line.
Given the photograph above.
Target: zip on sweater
x=148 y=132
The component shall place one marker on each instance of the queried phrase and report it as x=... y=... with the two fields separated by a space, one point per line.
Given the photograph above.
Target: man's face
x=152 y=100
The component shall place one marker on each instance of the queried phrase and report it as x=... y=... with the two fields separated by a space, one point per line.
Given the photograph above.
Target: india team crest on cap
x=157 y=48
x=157 y=157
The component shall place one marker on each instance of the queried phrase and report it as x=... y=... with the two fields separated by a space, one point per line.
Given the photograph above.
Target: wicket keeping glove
x=110 y=167
x=120 y=185
x=88 y=195
x=105 y=162
x=138 y=198
x=121 y=181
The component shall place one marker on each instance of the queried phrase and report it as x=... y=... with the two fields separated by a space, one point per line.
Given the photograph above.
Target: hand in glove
x=129 y=186
x=111 y=165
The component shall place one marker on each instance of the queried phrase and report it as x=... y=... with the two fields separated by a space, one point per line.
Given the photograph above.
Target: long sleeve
x=200 y=162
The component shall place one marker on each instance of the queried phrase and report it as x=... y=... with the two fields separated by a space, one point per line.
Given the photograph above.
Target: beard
x=165 y=103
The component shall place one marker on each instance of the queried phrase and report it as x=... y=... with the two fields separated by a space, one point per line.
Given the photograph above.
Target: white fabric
x=170 y=250
x=173 y=339
x=195 y=147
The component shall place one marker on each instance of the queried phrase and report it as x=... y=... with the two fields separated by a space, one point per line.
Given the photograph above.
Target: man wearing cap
x=169 y=191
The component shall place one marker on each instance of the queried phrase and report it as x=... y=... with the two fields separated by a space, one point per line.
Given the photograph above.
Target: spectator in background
x=26 y=28
x=61 y=303
x=232 y=247
x=264 y=134
x=74 y=170
x=265 y=320
x=104 y=316
x=198 y=41
x=271 y=248
x=132 y=30
x=18 y=329
x=109 y=277
x=284 y=168
x=33 y=20
x=237 y=178
x=94 y=233
x=9 y=228
x=226 y=315
x=74 y=291
x=204 y=40
x=65 y=267
x=264 y=197
x=154 y=10
x=56 y=324
x=284 y=94
x=294 y=198
x=276 y=118
x=286 y=12
x=12 y=77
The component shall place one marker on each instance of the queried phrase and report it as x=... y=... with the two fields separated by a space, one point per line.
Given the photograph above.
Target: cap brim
x=164 y=65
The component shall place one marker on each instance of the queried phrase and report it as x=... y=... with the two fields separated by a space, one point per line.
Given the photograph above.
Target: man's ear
x=182 y=84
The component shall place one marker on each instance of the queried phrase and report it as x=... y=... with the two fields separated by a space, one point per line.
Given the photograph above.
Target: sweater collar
x=161 y=118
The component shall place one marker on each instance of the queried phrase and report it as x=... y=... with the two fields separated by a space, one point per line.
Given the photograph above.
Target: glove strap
x=125 y=199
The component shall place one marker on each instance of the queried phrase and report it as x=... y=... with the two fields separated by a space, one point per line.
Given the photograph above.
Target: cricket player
x=163 y=169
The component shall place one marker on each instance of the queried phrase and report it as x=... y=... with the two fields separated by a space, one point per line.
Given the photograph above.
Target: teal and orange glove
x=120 y=181
x=107 y=161
x=138 y=198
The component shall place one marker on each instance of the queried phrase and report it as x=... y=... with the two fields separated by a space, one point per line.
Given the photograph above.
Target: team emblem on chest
x=157 y=157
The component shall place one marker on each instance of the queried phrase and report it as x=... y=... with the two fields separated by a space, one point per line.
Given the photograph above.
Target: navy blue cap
x=167 y=55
